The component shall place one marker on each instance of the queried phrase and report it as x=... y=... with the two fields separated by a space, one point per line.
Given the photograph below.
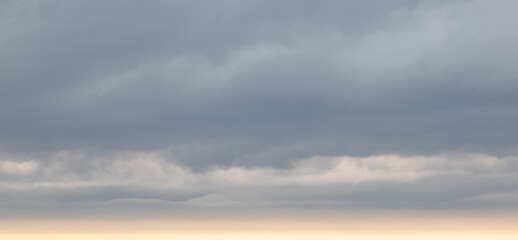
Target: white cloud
x=20 y=169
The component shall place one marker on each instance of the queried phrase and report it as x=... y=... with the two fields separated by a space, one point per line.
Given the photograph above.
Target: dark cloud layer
x=255 y=85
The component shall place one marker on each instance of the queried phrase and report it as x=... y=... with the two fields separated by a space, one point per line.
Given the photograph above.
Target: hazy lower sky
x=159 y=109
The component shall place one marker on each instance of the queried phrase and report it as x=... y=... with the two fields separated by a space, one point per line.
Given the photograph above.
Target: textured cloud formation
x=259 y=103
x=387 y=180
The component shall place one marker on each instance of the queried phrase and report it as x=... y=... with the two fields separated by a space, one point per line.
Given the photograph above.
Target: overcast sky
x=258 y=104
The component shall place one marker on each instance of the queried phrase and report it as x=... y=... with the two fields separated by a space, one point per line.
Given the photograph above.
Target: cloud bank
x=447 y=181
x=398 y=104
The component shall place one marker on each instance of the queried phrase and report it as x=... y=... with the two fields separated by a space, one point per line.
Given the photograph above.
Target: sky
x=117 y=110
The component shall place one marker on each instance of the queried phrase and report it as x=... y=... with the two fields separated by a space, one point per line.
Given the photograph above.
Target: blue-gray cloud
x=255 y=85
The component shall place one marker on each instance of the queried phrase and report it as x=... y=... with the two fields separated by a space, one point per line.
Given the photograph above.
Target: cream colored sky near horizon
x=293 y=236
x=362 y=225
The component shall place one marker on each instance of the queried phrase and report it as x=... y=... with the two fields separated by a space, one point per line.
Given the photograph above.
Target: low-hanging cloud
x=389 y=180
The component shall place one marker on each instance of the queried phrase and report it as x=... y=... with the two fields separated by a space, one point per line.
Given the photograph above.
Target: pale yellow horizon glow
x=251 y=236
x=354 y=227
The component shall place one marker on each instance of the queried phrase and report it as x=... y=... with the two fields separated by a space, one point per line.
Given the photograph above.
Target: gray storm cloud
x=259 y=103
